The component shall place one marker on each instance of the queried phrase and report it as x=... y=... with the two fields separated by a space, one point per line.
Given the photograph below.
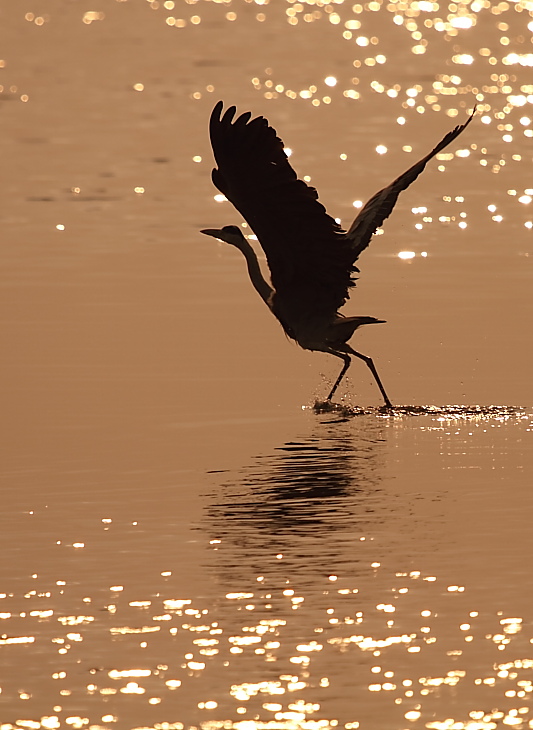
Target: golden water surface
x=185 y=543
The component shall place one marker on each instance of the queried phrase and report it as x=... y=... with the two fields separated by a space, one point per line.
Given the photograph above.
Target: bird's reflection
x=310 y=502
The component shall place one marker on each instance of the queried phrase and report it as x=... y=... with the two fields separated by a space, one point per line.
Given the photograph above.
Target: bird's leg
x=347 y=360
x=374 y=372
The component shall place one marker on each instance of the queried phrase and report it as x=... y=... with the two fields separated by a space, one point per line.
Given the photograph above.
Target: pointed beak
x=215 y=232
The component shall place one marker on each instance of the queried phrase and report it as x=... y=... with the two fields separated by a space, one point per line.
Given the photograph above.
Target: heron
x=311 y=258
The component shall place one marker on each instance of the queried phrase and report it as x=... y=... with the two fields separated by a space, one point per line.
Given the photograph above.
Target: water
x=186 y=541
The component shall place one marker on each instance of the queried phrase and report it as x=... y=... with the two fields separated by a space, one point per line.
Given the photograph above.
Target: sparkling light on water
x=304 y=593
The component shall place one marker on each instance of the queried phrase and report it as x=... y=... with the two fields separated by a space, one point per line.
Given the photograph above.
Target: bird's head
x=229 y=234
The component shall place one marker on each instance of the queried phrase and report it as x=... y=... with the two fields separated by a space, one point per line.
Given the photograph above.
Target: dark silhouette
x=310 y=257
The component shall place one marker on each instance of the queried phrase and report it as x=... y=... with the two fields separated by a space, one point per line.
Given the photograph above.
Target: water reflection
x=345 y=591
x=340 y=598
x=308 y=502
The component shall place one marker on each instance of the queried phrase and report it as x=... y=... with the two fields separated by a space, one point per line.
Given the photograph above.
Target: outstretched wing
x=306 y=250
x=311 y=259
x=380 y=205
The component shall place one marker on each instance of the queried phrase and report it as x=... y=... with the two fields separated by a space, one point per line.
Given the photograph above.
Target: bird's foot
x=327 y=406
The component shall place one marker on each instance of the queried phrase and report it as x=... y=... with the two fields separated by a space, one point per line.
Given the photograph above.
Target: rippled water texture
x=190 y=537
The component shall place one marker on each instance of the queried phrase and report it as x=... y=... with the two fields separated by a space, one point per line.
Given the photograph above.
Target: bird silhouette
x=310 y=257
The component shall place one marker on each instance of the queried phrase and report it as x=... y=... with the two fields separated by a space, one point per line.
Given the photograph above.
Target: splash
x=446 y=411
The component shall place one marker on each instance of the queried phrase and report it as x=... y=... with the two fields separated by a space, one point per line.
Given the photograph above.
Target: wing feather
x=380 y=205
x=305 y=247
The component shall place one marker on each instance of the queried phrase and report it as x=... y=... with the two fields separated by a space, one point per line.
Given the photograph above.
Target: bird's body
x=310 y=257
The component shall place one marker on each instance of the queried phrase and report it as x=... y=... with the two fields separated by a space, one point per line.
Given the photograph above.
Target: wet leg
x=347 y=360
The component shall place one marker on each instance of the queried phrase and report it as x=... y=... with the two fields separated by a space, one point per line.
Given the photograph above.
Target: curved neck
x=261 y=286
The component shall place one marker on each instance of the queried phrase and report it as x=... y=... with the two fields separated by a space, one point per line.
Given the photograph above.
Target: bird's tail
x=346 y=326
x=365 y=320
